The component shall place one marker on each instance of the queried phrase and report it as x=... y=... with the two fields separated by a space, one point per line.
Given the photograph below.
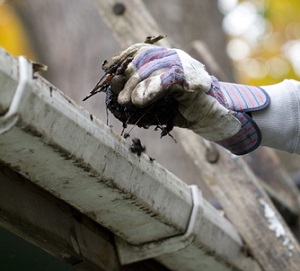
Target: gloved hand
x=214 y=110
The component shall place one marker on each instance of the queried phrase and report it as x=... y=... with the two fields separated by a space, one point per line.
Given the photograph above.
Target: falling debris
x=136 y=146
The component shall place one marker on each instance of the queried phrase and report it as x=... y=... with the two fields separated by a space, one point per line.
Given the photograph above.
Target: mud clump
x=159 y=114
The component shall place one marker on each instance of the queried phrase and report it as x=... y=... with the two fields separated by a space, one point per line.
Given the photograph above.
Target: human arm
x=217 y=111
x=280 y=121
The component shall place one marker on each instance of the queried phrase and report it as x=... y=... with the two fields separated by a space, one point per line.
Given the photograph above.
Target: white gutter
x=63 y=149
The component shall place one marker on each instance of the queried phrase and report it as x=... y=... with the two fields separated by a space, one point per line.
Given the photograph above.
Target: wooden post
x=245 y=203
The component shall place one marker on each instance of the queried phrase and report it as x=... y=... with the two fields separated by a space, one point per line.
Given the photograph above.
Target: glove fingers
x=148 y=91
x=142 y=92
x=117 y=84
x=124 y=97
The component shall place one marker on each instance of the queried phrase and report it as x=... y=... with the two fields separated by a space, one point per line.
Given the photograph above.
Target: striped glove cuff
x=241 y=100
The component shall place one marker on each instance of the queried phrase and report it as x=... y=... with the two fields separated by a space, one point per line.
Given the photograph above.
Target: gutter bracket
x=133 y=253
x=11 y=117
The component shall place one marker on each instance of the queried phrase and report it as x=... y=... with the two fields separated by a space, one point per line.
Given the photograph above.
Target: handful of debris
x=159 y=114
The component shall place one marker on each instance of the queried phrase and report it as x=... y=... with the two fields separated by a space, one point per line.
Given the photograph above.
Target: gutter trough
x=61 y=148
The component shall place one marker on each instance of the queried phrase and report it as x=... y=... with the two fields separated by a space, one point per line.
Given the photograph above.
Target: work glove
x=217 y=111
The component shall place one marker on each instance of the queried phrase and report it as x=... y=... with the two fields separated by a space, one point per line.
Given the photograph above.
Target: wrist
x=241 y=101
x=280 y=122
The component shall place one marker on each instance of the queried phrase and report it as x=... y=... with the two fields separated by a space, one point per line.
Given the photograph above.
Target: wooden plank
x=54 y=226
x=198 y=50
x=234 y=184
x=275 y=177
x=247 y=206
x=133 y=26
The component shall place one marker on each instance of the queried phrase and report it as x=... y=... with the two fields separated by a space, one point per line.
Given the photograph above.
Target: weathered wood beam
x=57 y=228
x=51 y=224
x=247 y=205
x=277 y=182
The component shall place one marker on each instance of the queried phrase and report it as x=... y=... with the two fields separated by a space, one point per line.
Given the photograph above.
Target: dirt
x=159 y=114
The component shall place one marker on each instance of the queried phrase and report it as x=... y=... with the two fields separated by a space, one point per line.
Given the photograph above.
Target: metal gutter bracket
x=132 y=253
x=11 y=117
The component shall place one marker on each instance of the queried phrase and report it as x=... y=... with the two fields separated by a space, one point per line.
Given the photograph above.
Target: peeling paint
x=276 y=226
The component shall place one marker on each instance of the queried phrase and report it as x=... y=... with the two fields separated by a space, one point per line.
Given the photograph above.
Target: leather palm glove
x=215 y=110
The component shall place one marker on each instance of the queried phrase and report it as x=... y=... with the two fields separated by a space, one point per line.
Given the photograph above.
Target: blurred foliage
x=267 y=50
x=12 y=35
